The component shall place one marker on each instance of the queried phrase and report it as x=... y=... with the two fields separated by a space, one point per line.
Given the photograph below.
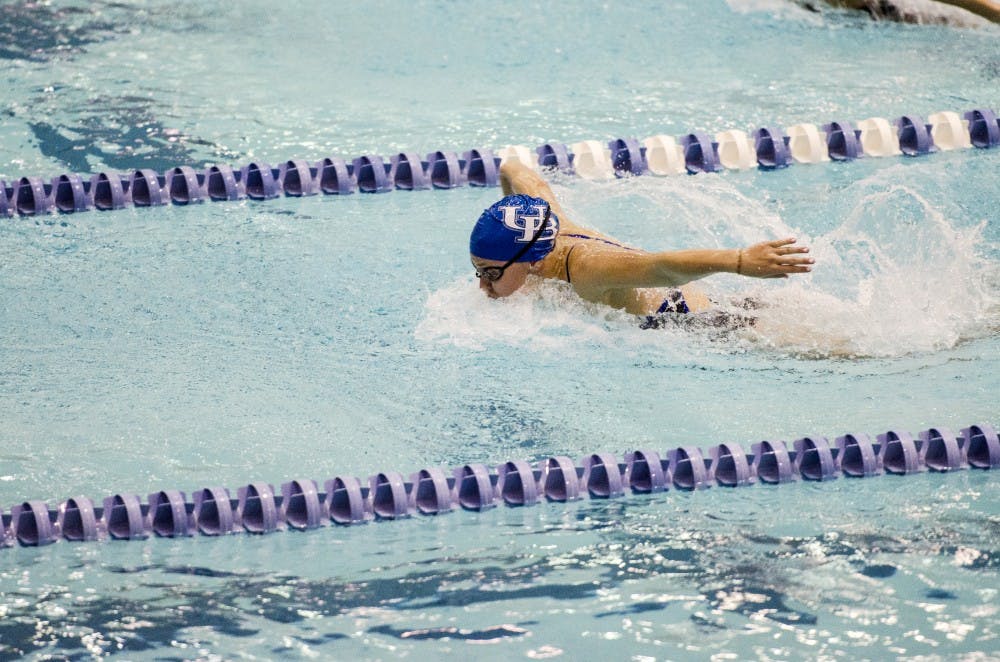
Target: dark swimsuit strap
x=588 y=237
x=604 y=241
x=568 y=253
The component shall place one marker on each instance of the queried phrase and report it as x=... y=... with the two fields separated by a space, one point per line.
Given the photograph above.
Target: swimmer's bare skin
x=627 y=279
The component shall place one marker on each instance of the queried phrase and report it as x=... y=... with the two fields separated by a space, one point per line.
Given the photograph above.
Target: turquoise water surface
x=219 y=344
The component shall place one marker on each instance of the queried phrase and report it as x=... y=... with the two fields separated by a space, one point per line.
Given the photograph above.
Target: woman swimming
x=527 y=233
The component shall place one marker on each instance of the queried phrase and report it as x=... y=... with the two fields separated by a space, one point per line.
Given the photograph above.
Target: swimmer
x=528 y=233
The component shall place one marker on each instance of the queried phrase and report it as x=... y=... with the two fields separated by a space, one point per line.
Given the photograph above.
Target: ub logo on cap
x=515 y=219
x=507 y=225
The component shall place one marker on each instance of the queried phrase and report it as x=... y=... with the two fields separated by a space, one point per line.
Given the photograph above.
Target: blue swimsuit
x=674 y=303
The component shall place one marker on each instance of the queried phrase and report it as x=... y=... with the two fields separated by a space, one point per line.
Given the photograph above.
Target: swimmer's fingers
x=783 y=273
x=791 y=250
x=793 y=265
x=787 y=257
x=775 y=259
x=794 y=261
x=785 y=246
x=797 y=264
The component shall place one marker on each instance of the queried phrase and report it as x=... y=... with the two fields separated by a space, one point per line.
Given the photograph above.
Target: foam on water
x=900 y=309
x=540 y=316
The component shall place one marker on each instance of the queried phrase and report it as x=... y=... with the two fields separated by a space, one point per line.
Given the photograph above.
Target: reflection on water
x=38 y=31
x=122 y=135
x=648 y=561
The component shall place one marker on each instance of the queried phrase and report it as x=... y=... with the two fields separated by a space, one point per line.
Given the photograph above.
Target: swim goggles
x=493 y=274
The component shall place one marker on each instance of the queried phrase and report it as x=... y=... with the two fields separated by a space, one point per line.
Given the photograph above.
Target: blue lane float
x=297 y=179
x=370 y=172
x=69 y=194
x=555 y=156
x=335 y=177
x=627 y=157
x=481 y=167
x=221 y=183
x=700 y=153
x=842 y=141
x=409 y=172
x=914 y=136
x=345 y=500
x=107 y=192
x=444 y=170
x=984 y=131
x=771 y=146
x=766 y=148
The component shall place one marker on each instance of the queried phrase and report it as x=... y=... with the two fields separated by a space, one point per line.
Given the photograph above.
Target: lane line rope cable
x=767 y=148
x=345 y=500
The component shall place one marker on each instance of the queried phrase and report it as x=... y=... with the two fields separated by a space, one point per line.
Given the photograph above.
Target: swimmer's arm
x=515 y=177
x=603 y=270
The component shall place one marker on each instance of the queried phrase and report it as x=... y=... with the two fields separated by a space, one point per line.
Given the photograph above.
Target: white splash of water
x=894 y=278
x=779 y=8
x=541 y=315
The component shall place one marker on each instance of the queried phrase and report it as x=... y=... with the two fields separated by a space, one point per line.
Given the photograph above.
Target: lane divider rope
x=766 y=148
x=299 y=504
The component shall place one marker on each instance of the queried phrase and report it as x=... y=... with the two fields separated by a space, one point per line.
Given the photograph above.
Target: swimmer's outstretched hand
x=774 y=259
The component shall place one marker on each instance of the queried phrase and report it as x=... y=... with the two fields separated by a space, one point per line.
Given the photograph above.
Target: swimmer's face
x=511 y=281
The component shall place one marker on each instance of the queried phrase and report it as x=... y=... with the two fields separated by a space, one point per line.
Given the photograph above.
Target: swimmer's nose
x=487 y=286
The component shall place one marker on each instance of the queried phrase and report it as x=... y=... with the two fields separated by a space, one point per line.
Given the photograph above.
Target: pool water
x=225 y=343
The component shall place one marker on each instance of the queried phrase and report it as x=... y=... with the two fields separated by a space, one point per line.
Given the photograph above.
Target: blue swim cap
x=508 y=225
